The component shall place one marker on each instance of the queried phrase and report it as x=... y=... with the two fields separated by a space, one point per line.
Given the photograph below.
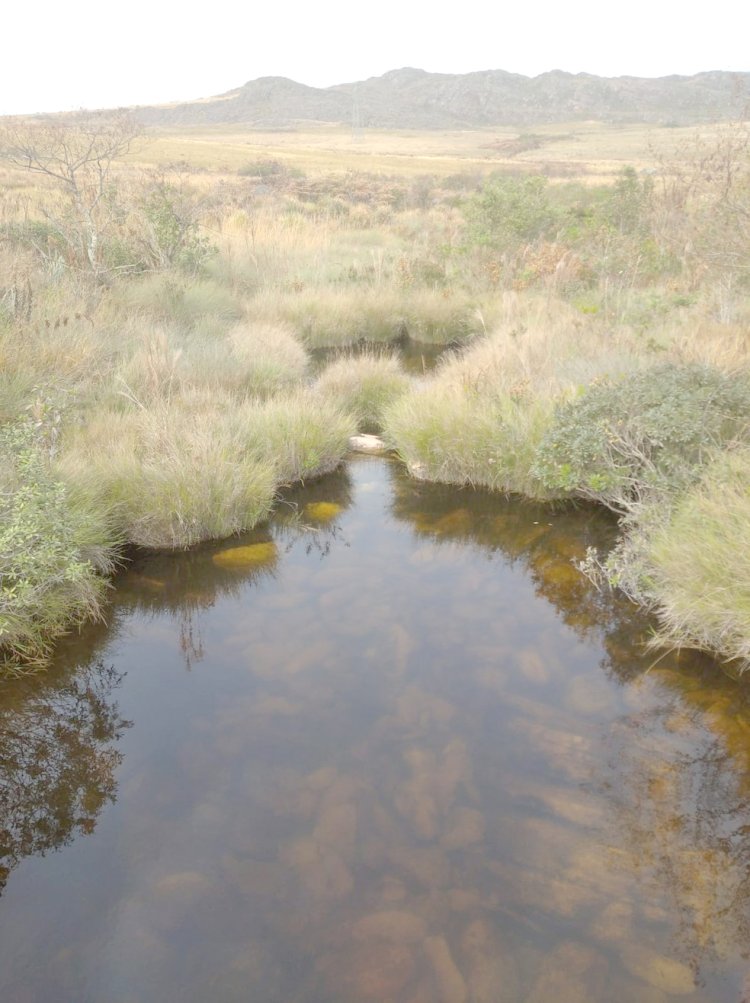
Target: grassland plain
x=165 y=399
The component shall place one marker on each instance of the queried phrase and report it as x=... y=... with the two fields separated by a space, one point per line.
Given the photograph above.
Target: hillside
x=415 y=99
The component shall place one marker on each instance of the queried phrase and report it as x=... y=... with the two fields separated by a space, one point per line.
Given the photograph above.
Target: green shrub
x=510 y=211
x=648 y=431
x=55 y=546
x=364 y=385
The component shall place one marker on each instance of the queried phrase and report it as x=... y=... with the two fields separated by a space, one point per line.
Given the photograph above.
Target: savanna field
x=192 y=321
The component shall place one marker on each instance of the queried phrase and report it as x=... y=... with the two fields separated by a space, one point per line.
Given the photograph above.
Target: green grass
x=699 y=562
x=300 y=435
x=364 y=386
x=331 y=316
x=174 y=474
x=253 y=359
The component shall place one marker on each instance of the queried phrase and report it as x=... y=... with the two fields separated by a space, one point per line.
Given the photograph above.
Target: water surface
x=391 y=747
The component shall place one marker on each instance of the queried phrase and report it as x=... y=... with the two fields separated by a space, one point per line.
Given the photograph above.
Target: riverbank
x=594 y=346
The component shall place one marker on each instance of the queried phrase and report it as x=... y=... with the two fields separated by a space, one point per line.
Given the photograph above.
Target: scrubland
x=160 y=383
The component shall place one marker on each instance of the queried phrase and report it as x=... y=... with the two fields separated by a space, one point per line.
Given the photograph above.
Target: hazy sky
x=61 y=54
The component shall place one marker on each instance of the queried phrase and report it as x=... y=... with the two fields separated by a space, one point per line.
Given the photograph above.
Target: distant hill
x=414 y=99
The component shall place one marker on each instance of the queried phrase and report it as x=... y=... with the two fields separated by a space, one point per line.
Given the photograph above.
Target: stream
x=391 y=747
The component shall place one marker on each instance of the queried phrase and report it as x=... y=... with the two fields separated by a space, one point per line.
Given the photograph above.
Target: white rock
x=367 y=444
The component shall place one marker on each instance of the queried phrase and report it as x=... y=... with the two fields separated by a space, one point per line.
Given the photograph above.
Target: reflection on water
x=391 y=747
x=57 y=759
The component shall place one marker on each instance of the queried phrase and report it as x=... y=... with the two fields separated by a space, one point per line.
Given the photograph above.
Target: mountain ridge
x=409 y=98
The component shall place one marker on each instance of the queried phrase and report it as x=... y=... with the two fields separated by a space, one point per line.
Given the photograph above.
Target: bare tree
x=77 y=153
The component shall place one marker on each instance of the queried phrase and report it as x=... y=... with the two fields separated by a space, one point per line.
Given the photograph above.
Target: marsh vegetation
x=158 y=319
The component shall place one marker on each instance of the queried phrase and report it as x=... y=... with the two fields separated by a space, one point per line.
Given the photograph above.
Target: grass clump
x=645 y=432
x=699 y=562
x=299 y=435
x=364 y=386
x=444 y=434
x=201 y=305
x=56 y=544
x=175 y=474
x=330 y=316
x=480 y=419
x=254 y=359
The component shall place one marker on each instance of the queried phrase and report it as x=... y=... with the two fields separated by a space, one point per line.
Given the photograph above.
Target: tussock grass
x=300 y=435
x=201 y=305
x=699 y=562
x=479 y=420
x=266 y=358
x=174 y=474
x=364 y=386
x=444 y=434
x=254 y=359
x=329 y=317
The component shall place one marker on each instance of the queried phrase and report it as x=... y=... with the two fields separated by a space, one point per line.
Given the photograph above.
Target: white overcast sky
x=62 y=54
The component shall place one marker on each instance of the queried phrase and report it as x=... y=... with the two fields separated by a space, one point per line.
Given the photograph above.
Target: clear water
x=394 y=750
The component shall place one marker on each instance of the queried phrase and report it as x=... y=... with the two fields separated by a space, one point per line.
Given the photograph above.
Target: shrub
x=364 y=385
x=510 y=211
x=645 y=432
x=55 y=546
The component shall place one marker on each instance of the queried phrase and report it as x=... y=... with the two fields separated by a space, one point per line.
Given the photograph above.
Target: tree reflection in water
x=57 y=758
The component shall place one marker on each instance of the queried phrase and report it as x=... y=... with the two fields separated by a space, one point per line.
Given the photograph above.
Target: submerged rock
x=377 y=970
x=465 y=828
x=449 y=982
x=323 y=511
x=671 y=976
x=390 y=925
x=251 y=556
x=573 y=973
x=492 y=972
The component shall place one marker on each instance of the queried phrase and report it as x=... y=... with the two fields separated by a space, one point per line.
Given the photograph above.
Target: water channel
x=390 y=747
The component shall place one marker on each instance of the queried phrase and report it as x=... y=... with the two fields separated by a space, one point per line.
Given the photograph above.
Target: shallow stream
x=392 y=747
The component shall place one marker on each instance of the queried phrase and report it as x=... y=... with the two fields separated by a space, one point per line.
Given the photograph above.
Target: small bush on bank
x=364 y=385
x=55 y=546
x=648 y=431
x=509 y=211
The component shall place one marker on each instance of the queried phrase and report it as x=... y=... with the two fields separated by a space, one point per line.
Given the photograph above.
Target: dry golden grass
x=591 y=151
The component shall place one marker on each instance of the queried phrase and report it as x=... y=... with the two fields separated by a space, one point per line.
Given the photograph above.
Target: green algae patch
x=251 y=556
x=322 y=511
